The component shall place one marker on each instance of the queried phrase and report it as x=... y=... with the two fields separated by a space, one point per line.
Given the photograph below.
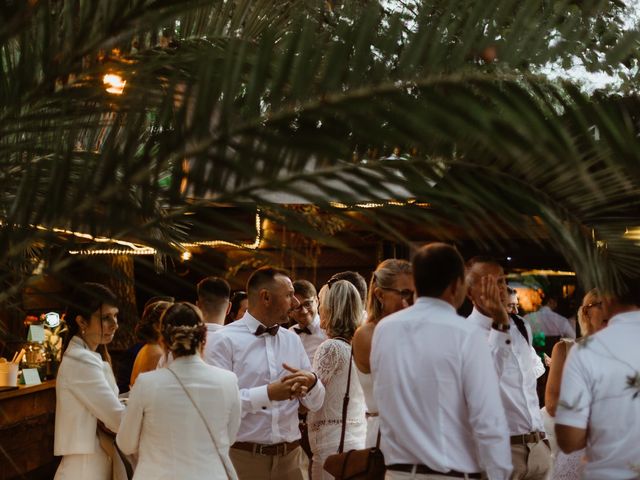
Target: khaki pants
x=531 y=461
x=391 y=475
x=251 y=466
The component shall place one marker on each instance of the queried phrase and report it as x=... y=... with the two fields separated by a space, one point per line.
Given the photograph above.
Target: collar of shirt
x=213 y=327
x=252 y=322
x=435 y=302
x=480 y=319
x=625 y=317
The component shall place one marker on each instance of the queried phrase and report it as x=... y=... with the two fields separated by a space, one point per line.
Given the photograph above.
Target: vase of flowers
x=53 y=346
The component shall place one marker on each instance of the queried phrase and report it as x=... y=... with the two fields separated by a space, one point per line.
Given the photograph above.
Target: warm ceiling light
x=115 y=83
x=186 y=256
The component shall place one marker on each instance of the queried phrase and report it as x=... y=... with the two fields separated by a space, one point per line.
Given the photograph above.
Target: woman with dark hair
x=340 y=315
x=391 y=289
x=181 y=420
x=148 y=331
x=86 y=391
x=239 y=304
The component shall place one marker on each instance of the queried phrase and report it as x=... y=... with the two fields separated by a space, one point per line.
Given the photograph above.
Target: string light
x=136 y=249
x=393 y=203
x=115 y=83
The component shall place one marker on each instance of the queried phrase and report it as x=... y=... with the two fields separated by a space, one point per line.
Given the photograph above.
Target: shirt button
x=264 y=408
x=508 y=342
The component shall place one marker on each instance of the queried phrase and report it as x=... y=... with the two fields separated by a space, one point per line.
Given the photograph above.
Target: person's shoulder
x=221 y=374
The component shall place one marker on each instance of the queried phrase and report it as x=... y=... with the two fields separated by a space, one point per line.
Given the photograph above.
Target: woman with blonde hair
x=391 y=289
x=591 y=320
x=182 y=419
x=340 y=314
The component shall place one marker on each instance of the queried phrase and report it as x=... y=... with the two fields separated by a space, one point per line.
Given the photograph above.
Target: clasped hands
x=294 y=385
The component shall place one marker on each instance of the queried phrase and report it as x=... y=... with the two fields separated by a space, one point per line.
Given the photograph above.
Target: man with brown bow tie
x=274 y=378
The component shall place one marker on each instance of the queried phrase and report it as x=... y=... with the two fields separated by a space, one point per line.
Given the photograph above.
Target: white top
x=257 y=361
x=518 y=367
x=86 y=391
x=207 y=354
x=437 y=391
x=366 y=382
x=597 y=394
x=313 y=341
x=331 y=363
x=550 y=323
x=164 y=428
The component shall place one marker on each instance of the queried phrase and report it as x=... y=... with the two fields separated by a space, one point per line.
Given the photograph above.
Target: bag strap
x=345 y=404
x=213 y=438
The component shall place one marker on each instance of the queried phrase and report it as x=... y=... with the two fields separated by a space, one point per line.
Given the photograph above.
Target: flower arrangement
x=53 y=339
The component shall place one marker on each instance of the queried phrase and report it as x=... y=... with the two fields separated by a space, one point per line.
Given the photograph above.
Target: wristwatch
x=501 y=327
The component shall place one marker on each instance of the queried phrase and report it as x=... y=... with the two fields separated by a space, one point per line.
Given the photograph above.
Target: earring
x=83 y=332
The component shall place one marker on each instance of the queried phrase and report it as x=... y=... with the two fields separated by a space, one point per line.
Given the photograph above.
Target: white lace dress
x=331 y=364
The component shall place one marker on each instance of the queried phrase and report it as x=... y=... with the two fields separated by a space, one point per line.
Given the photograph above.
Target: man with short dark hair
x=517 y=364
x=434 y=382
x=274 y=378
x=306 y=317
x=599 y=408
x=213 y=301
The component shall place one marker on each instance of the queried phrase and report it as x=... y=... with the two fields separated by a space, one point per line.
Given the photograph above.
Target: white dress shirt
x=164 y=428
x=207 y=354
x=550 y=323
x=437 y=392
x=313 y=341
x=518 y=367
x=257 y=361
x=597 y=395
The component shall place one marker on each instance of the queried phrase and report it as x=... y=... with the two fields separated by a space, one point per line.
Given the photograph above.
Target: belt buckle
x=259 y=449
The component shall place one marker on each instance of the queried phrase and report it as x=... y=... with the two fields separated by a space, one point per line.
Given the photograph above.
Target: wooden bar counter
x=26 y=432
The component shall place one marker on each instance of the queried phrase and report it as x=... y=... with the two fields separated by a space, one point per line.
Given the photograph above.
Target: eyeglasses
x=592 y=305
x=406 y=294
x=308 y=306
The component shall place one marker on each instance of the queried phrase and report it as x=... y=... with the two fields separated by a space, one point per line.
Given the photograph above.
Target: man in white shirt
x=599 y=405
x=274 y=379
x=213 y=301
x=434 y=382
x=517 y=364
x=552 y=324
x=306 y=317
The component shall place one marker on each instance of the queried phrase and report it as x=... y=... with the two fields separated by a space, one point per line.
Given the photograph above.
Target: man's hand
x=281 y=389
x=302 y=380
x=295 y=385
x=490 y=300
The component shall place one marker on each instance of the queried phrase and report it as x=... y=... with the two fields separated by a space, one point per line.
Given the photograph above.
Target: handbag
x=230 y=471
x=364 y=464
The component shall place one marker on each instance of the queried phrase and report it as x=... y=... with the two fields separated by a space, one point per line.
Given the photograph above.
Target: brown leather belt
x=533 y=437
x=277 y=449
x=424 y=470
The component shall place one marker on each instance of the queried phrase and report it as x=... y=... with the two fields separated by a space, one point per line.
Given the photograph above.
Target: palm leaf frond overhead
x=258 y=98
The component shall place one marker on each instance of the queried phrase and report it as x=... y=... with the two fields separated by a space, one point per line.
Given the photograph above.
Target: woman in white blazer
x=181 y=420
x=86 y=390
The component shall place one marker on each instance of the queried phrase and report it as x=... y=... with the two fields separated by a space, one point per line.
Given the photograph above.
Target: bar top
x=27 y=389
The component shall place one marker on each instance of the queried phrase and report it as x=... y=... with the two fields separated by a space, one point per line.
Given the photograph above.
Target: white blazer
x=164 y=428
x=86 y=392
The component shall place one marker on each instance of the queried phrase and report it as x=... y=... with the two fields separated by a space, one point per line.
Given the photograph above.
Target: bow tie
x=300 y=331
x=272 y=330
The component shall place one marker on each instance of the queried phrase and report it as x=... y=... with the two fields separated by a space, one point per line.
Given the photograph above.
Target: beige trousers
x=250 y=466
x=531 y=461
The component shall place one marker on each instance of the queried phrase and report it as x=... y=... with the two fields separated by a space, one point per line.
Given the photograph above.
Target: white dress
x=373 y=420
x=331 y=364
